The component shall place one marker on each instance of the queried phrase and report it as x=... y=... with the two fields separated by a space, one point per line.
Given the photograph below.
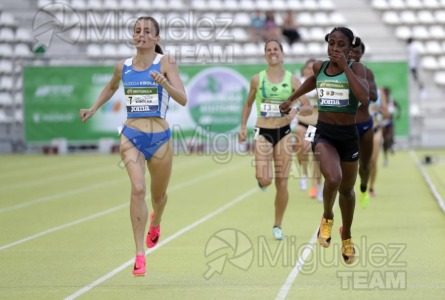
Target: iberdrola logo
x=216 y=98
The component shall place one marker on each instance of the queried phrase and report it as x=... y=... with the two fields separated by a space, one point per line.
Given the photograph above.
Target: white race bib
x=310 y=133
x=142 y=99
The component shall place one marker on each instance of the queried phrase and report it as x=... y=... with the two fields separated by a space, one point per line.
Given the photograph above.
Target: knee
x=333 y=182
x=347 y=193
x=281 y=183
x=159 y=199
x=138 y=190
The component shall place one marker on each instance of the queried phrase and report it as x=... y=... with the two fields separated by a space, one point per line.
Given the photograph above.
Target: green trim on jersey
x=272 y=93
x=334 y=93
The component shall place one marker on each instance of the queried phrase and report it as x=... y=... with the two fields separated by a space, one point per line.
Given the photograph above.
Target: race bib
x=256 y=133
x=270 y=108
x=142 y=99
x=310 y=133
x=333 y=94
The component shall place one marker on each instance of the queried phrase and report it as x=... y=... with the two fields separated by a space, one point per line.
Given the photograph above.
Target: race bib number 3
x=333 y=94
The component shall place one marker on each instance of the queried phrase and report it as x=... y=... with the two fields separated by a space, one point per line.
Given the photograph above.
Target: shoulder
x=317 y=66
x=255 y=80
x=119 y=67
x=358 y=67
x=167 y=63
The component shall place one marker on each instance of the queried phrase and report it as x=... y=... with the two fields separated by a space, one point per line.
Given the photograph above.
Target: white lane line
x=56 y=177
x=90 y=217
x=71 y=192
x=42 y=233
x=428 y=181
x=162 y=243
x=297 y=268
x=60 y=195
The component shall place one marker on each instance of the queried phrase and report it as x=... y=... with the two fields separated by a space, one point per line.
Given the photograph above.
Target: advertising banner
x=53 y=97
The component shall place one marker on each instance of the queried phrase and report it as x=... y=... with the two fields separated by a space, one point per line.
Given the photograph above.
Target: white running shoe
x=277 y=233
x=303 y=183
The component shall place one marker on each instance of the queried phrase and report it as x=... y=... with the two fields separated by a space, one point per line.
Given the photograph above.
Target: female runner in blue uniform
x=149 y=79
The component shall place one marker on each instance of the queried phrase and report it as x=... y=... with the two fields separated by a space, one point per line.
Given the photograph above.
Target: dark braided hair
x=354 y=40
x=155 y=23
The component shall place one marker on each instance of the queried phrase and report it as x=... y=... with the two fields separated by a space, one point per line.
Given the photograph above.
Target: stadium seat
x=408 y=17
x=432 y=4
x=380 y=4
x=252 y=49
x=240 y=34
x=322 y=19
x=391 y=17
x=231 y=5
x=4 y=119
x=5 y=99
x=437 y=32
x=18 y=99
x=337 y=19
x=263 y=5
x=42 y=3
x=111 y=5
x=305 y=19
x=6 y=50
x=94 y=50
x=429 y=63
x=79 y=5
x=6 y=83
x=315 y=48
x=403 y=32
x=310 y=5
x=299 y=49
x=317 y=33
x=213 y=5
x=396 y=4
x=109 y=50
x=7 y=19
x=439 y=15
x=414 y=4
x=433 y=47
x=280 y=5
x=326 y=5
x=142 y=5
x=420 y=32
x=425 y=17
x=248 y=5
x=22 y=50
x=241 y=19
x=23 y=35
x=7 y=35
x=441 y=62
x=6 y=66
x=439 y=78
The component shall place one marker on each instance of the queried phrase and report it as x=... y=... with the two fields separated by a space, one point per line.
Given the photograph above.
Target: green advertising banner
x=216 y=95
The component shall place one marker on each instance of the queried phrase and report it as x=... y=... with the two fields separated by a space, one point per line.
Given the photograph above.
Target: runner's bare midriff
x=272 y=122
x=149 y=124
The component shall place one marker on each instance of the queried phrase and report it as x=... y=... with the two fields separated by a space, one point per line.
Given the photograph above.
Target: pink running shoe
x=153 y=233
x=139 y=265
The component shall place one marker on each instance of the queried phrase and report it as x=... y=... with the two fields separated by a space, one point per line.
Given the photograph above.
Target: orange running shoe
x=324 y=232
x=313 y=192
x=347 y=249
